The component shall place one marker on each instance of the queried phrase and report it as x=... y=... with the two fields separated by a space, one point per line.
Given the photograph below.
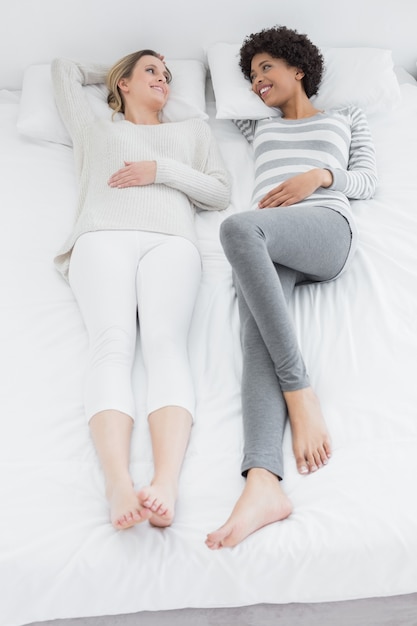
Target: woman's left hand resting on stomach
x=133 y=174
x=296 y=188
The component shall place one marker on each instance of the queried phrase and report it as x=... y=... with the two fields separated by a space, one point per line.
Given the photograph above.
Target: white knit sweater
x=190 y=170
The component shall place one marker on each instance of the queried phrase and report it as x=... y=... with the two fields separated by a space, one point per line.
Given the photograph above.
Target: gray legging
x=271 y=251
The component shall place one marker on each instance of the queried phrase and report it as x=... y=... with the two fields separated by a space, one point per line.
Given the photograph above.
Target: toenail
x=304 y=469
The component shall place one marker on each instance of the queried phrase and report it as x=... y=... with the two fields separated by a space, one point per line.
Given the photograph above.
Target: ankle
x=116 y=483
x=305 y=393
x=301 y=402
x=260 y=474
x=166 y=482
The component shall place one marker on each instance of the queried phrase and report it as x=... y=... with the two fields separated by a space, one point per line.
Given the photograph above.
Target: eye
x=150 y=69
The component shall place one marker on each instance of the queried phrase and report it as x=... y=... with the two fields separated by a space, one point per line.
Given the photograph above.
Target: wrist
x=326 y=178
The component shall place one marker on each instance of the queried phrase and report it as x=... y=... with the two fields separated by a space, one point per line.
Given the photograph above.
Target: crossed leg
x=268 y=264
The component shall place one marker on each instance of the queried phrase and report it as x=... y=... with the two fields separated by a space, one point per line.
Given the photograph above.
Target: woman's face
x=273 y=80
x=148 y=82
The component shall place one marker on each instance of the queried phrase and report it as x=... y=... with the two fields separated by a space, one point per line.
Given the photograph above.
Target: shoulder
x=194 y=128
x=348 y=112
x=190 y=125
x=351 y=117
x=200 y=126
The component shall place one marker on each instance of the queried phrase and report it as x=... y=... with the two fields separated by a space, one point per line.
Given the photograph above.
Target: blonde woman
x=133 y=254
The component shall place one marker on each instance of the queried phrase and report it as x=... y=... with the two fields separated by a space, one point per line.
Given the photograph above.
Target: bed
x=348 y=552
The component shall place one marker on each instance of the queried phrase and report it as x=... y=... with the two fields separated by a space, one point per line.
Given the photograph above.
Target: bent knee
x=237 y=231
x=231 y=228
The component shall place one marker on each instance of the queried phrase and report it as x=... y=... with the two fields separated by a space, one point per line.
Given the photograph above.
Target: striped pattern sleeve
x=247 y=128
x=358 y=181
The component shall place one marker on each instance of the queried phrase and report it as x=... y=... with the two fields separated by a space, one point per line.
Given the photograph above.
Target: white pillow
x=361 y=76
x=39 y=117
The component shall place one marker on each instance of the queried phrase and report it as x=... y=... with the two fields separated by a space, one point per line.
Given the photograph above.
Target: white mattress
x=353 y=530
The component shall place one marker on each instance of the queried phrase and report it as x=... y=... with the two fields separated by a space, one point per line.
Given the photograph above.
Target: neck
x=298 y=109
x=142 y=116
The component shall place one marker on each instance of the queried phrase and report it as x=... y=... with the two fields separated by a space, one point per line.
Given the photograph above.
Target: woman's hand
x=296 y=188
x=134 y=174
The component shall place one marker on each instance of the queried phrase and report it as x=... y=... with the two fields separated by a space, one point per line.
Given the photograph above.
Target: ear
x=299 y=74
x=123 y=85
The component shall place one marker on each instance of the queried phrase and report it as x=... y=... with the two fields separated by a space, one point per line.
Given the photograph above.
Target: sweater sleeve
x=68 y=79
x=207 y=182
x=247 y=128
x=359 y=181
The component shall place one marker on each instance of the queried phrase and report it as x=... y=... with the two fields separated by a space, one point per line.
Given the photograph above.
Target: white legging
x=117 y=276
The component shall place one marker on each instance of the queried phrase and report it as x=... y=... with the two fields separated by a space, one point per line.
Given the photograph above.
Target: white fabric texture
x=190 y=173
x=114 y=273
x=353 y=530
x=363 y=77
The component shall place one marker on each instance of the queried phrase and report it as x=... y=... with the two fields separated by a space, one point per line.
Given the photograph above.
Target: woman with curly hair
x=308 y=163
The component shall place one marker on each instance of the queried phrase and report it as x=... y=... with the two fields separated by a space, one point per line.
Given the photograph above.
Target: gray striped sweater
x=338 y=140
x=190 y=169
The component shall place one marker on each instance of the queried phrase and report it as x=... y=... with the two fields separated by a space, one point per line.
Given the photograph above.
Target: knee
x=229 y=231
x=160 y=346
x=236 y=232
x=113 y=343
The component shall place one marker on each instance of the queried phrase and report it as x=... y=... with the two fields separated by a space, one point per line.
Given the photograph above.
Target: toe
x=302 y=465
x=120 y=523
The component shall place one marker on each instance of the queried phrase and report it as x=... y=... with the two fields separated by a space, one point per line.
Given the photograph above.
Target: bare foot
x=262 y=502
x=125 y=510
x=310 y=438
x=159 y=500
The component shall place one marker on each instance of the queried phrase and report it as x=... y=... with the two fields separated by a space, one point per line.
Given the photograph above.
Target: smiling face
x=274 y=81
x=148 y=83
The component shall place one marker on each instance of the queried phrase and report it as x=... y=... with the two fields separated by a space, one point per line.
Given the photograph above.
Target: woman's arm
x=207 y=184
x=296 y=188
x=359 y=181
x=68 y=80
x=247 y=128
x=356 y=182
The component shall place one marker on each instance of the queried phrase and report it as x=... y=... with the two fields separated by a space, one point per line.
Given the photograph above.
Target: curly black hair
x=292 y=47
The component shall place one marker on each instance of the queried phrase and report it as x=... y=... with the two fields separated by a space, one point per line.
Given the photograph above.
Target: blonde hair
x=124 y=69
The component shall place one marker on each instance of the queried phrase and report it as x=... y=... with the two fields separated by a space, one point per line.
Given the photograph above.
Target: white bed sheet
x=352 y=533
